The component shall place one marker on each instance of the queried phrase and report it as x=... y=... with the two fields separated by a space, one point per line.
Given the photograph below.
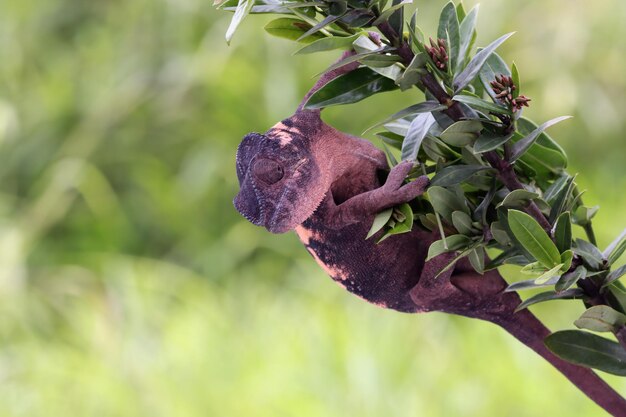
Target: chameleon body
x=328 y=187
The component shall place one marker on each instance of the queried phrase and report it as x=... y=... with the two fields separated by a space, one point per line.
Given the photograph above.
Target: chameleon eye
x=268 y=171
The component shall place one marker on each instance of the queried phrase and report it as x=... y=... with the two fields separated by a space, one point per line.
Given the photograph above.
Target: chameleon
x=327 y=186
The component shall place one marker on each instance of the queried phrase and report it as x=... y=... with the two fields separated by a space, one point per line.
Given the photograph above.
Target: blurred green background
x=129 y=286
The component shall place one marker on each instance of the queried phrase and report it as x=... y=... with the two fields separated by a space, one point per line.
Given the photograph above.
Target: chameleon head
x=275 y=180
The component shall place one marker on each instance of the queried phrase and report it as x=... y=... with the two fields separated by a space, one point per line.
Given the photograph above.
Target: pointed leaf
x=572 y=294
x=516 y=81
x=380 y=221
x=321 y=25
x=592 y=257
x=570 y=278
x=453 y=243
x=533 y=238
x=520 y=147
x=590 y=350
x=467 y=33
x=462 y=223
x=328 y=44
x=518 y=198
x=243 y=9
x=480 y=104
x=423 y=107
x=477 y=259
x=350 y=88
x=614 y=275
x=469 y=73
x=292 y=29
x=445 y=202
x=613 y=252
x=563 y=232
x=462 y=133
x=415 y=135
x=456 y=174
x=549 y=274
x=449 y=30
x=531 y=284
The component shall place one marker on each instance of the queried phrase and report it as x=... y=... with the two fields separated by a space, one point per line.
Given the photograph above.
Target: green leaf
x=549 y=274
x=583 y=215
x=566 y=260
x=477 y=259
x=563 y=232
x=462 y=223
x=526 y=126
x=413 y=73
x=380 y=221
x=467 y=34
x=500 y=234
x=489 y=141
x=350 y=88
x=592 y=257
x=328 y=44
x=516 y=81
x=518 y=198
x=614 y=275
x=243 y=9
x=456 y=174
x=391 y=139
x=555 y=188
x=292 y=29
x=533 y=268
x=570 y=278
x=449 y=29
x=396 y=20
x=531 y=284
x=416 y=133
x=571 y=294
x=453 y=243
x=561 y=200
x=520 y=147
x=601 y=318
x=613 y=252
x=462 y=133
x=587 y=349
x=445 y=202
x=384 y=16
x=480 y=104
x=321 y=25
x=423 y=107
x=471 y=70
x=533 y=238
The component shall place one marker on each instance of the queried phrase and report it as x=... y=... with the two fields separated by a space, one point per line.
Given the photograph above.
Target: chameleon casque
x=306 y=176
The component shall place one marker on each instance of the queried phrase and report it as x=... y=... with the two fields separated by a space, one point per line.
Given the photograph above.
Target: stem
x=525 y=327
x=508 y=177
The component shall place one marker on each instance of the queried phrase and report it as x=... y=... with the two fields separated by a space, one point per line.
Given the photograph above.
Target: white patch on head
x=280 y=132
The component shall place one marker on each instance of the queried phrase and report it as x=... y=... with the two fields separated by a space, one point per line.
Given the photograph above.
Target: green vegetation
x=130 y=286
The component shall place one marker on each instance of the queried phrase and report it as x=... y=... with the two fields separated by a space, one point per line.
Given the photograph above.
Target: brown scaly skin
x=306 y=176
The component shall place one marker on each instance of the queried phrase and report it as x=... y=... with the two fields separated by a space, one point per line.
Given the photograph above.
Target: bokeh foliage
x=130 y=286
